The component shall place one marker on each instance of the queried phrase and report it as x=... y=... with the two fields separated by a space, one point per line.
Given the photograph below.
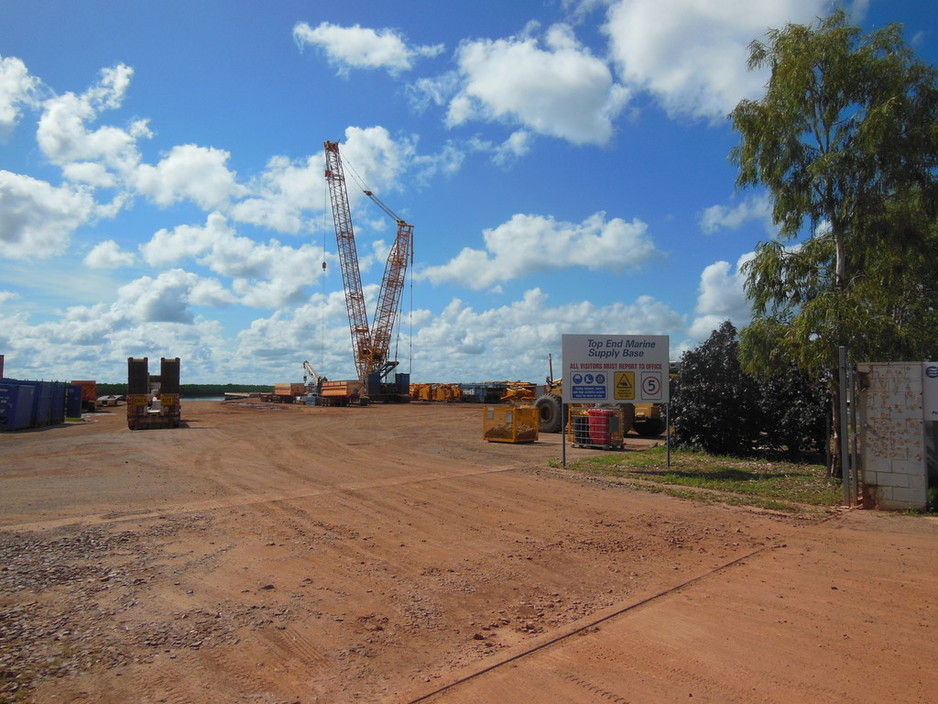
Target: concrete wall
x=892 y=436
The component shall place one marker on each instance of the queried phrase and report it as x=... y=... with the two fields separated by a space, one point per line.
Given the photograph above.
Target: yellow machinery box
x=508 y=424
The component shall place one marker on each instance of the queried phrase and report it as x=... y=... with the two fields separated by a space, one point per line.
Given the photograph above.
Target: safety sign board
x=615 y=368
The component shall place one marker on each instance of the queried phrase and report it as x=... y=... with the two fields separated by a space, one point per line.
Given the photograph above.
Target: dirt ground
x=282 y=555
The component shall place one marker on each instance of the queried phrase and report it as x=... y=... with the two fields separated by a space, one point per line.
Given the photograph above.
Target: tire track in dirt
x=252 y=499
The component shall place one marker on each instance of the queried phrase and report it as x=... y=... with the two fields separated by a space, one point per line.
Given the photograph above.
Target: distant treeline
x=189 y=389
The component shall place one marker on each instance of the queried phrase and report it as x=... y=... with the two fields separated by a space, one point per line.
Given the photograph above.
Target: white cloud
x=185 y=241
x=17 y=88
x=692 y=54
x=265 y=275
x=561 y=90
x=513 y=341
x=376 y=160
x=37 y=218
x=437 y=90
x=65 y=138
x=282 y=193
x=362 y=48
x=515 y=147
x=533 y=243
x=108 y=255
x=168 y=297
x=718 y=217
x=188 y=171
x=721 y=296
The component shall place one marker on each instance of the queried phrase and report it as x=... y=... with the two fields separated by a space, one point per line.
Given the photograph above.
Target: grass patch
x=779 y=486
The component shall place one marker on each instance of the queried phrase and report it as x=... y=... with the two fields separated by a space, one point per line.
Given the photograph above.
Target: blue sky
x=565 y=166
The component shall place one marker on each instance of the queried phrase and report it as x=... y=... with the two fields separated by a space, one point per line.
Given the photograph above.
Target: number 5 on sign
x=651 y=385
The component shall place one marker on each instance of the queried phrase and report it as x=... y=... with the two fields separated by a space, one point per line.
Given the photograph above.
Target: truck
x=288 y=392
x=343 y=392
x=153 y=401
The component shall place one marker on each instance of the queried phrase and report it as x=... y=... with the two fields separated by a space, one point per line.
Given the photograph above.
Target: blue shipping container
x=17 y=403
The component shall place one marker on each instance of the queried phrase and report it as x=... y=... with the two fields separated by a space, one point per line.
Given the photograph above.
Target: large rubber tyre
x=649 y=428
x=549 y=413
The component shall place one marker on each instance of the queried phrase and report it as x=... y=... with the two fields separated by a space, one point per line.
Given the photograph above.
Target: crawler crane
x=370 y=346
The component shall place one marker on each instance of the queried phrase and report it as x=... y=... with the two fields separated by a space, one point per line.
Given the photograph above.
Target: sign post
x=613 y=369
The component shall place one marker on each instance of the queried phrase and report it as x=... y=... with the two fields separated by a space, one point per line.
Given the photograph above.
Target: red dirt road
x=388 y=554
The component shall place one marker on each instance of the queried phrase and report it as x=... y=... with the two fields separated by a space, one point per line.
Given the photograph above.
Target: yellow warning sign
x=624 y=386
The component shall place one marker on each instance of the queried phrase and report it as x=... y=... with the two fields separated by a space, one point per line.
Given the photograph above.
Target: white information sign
x=615 y=368
x=930 y=389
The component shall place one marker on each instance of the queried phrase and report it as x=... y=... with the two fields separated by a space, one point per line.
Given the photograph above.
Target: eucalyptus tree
x=845 y=139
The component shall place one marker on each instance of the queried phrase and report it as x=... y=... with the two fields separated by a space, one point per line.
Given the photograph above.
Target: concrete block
x=909 y=497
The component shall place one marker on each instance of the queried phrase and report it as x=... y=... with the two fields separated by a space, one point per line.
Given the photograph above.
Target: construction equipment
x=549 y=406
x=348 y=392
x=288 y=392
x=312 y=378
x=370 y=347
x=153 y=401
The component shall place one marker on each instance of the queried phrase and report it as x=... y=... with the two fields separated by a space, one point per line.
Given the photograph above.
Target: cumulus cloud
x=265 y=275
x=108 y=255
x=360 y=47
x=185 y=241
x=533 y=243
x=64 y=136
x=692 y=54
x=188 y=171
x=480 y=343
x=17 y=89
x=560 y=89
x=37 y=218
x=168 y=297
x=718 y=217
x=282 y=193
x=721 y=296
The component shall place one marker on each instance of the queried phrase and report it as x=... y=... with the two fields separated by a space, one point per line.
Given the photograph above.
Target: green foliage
x=780 y=486
x=719 y=408
x=793 y=407
x=715 y=406
x=846 y=141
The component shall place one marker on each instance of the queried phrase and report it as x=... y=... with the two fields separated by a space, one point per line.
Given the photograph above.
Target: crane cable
x=322 y=277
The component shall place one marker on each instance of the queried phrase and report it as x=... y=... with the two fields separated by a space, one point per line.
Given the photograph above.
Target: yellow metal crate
x=508 y=424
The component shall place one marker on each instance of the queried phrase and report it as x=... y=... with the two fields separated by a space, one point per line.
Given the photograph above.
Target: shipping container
x=17 y=403
x=89 y=393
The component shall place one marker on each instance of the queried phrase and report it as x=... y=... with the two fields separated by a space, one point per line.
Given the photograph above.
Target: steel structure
x=370 y=346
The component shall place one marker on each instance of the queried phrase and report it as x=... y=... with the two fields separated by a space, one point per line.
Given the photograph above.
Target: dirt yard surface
x=277 y=555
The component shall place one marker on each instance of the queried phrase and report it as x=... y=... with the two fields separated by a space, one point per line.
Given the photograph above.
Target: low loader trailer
x=153 y=401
